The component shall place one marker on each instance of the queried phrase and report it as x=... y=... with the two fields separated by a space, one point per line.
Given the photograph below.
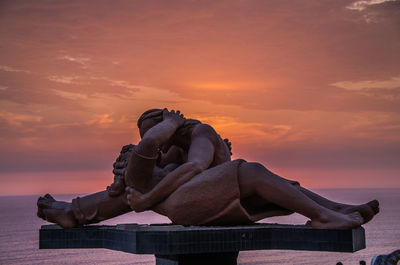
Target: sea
x=19 y=234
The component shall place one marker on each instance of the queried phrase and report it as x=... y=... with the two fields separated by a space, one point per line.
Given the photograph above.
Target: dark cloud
x=387 y=12
x=28 y=89
x=58 y=90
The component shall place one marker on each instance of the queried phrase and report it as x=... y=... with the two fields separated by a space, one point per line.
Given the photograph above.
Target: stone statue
x=182 y=169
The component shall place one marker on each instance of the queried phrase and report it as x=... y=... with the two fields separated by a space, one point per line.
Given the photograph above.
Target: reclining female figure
x=208 y=188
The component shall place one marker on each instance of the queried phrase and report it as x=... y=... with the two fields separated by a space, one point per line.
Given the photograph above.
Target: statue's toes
x=40 y=200
x=40 y=214
x=374 y=206
x=49 y=197
x=43 y=203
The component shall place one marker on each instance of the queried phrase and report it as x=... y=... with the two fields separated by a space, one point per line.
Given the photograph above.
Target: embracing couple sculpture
x=182 y=168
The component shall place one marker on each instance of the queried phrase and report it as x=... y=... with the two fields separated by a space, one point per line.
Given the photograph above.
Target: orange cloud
x=17 y=119
x=300 y=87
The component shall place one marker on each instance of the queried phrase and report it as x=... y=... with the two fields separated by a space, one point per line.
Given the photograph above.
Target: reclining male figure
x=208 y=188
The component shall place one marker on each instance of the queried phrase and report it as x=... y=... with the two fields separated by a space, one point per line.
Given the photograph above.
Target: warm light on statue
x=182 y=168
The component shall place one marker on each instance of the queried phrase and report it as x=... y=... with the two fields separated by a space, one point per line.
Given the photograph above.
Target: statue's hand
x=120 y=164
x=175 y=117
x=119 y=168
x=228 y=144
x=117 y=187
x=138 y=201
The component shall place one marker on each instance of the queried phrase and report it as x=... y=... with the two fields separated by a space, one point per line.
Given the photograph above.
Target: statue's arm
x=174 y=155
x=159 y=134
x=200 y=157
x=140 y=166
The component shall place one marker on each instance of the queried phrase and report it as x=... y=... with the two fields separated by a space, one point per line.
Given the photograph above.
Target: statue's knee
x=251 y=175
x=176 y=210
x=171 y=209
x=294 y=183
x=256 y=169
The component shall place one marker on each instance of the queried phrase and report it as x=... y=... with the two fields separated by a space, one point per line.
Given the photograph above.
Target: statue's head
x=148 y=119
x=152 y=117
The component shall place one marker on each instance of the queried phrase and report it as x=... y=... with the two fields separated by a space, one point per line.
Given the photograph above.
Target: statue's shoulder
x=204 y=130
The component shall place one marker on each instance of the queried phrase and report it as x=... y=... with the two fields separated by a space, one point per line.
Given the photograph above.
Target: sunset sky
x=311 y=89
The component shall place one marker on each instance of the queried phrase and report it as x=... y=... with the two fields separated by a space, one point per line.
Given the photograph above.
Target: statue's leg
x=58 y=212
x=256 y=179
x=99 y=206
x=321 y=200
x=139 y=172
x=367 y=210
x=88 y=209
x=102 y=205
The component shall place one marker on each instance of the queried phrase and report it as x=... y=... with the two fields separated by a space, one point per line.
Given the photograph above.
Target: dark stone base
x=175 y=244
x=229 y=258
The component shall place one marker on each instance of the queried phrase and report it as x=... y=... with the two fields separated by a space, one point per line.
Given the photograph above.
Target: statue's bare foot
x=136 y=200
x=56 y=211
x=367 y=210
x=336 y=220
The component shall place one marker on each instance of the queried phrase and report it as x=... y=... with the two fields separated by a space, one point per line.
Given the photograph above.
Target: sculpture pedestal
x=176 y=244
x=229 y=258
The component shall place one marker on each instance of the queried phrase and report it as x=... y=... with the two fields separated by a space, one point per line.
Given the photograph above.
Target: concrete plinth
x=229 y=258
x=179 y=244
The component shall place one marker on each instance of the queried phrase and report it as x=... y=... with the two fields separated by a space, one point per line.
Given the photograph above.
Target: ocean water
x=19 y=233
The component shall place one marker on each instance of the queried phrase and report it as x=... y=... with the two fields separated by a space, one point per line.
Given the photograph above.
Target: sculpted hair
x=148 y=114
x=183 y=131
